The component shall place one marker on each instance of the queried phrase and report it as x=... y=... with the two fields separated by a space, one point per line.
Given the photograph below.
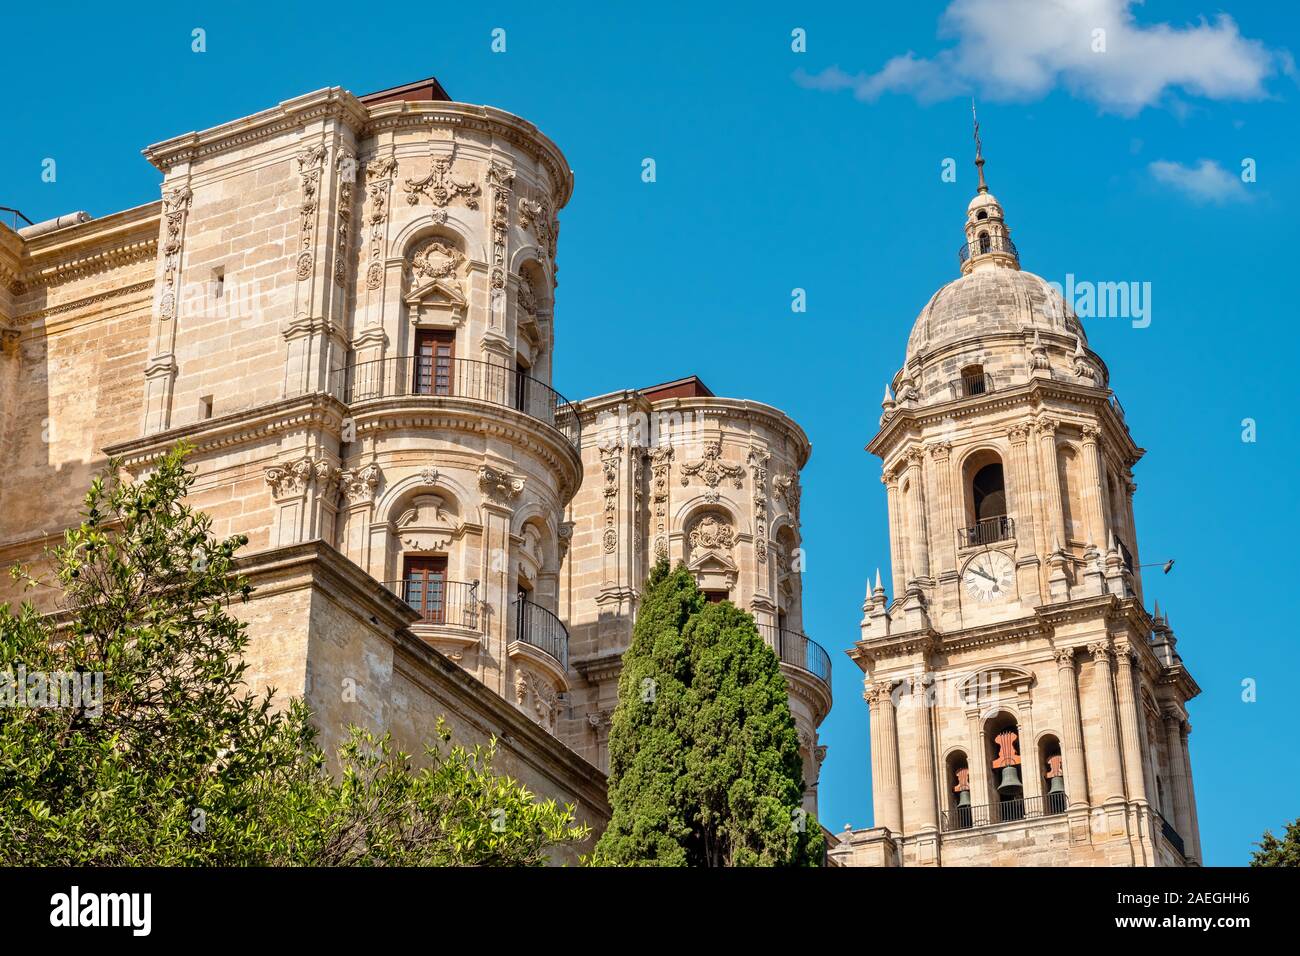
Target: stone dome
x=989 y=301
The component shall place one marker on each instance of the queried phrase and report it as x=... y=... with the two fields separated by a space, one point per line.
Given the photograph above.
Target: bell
x=1057 y=785
x=1010 y=779
x=963 y=798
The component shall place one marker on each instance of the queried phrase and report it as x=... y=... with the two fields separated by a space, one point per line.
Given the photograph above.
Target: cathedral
x=1025 y=708
x=345 y=305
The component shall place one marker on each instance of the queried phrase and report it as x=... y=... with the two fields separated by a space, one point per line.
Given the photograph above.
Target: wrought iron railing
x=450 y=603
x=457 y=378
x=988 y=531
x=969 y=385
x=539 y=627
x=1170 y=834
x=983 y=245
x=1004 y=811
x=1114 y=403
x=799 y=650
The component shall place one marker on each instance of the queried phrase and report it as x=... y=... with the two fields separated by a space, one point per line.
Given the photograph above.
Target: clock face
x=989 y=577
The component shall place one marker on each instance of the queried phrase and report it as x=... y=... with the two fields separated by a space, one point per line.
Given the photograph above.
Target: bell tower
x=1025 y=707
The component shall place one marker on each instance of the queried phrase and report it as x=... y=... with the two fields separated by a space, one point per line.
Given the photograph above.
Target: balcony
x=539 y=628
x=798 y=650
x=1171 y=835
x=1004 y=811
x=986 y=245
x=968 y=386
x=988 y=531
x=444 y=603
x=457 y=378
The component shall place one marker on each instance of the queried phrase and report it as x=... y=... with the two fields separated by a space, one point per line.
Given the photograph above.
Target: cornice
x=289 y=115
x=404 y=114
x=89 y=248
x=1036 y=393
x=744 y=409
x=467 y=415
x=317 y=410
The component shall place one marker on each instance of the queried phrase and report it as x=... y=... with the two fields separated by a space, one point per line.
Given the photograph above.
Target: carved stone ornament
x=499 y=486
x=712 y=534
x=310 y=161
x=711 y=469
x=788 y=486
x=436 y=259
x=442 y=186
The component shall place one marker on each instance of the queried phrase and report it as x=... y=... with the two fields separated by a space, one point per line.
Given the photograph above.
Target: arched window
x=989 y=492
x=985 y=244
x=982 y=214
x=973 y=381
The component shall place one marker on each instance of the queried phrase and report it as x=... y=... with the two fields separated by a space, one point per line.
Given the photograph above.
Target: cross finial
x=979 y=148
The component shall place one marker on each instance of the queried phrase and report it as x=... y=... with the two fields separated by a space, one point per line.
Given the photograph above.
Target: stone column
x=1051 y=481
x=944 y=507
x=1193 y=837
x=977 y=761
x=898 y=554
x=1076 y=770
x=1128 y=713
x=926 y=812
x=1092 y=491
x=920 y=565
x=1112 y=784
x=886 y=796
x=1177 y=775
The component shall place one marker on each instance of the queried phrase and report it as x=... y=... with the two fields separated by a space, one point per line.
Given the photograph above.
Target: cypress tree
x=704 y=757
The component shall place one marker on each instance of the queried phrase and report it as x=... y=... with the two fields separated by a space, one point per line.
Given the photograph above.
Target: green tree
x=172 y=760
x=1275 y=852
x=704 y=757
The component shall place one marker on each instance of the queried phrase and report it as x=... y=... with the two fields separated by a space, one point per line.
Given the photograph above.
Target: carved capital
x=1101 y=652
x=1046 y=426
x=499 y=486
x=1018 y=433
x=359 y=485
x=1064 y=657
x=940 y=450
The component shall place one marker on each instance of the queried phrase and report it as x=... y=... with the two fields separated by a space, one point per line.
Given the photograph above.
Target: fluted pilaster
x=886 y=793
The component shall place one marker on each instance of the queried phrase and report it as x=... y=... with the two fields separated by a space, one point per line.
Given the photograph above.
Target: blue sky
x=776 y=173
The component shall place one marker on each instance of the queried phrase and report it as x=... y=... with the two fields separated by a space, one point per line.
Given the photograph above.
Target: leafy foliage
x=1275 y=852
x=177 y=762
x=704 y=757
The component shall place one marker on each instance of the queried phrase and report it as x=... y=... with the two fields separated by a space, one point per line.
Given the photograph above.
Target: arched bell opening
x=957 y=787
x=1051 y=766
x=1004 y=767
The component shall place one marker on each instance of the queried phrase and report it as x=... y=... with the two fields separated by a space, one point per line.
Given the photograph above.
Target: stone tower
x=1025 y=707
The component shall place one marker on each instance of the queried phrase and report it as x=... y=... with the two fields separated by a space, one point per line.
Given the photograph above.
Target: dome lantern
x=988 y=238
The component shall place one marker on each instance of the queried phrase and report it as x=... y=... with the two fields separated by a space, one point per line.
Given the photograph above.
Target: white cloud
x=1207 y=181
x=1023 y=49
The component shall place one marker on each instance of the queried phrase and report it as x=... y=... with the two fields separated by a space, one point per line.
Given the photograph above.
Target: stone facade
x=344 y=304
x=1025 y=707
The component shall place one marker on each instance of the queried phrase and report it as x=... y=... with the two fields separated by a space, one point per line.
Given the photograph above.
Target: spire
x=979 y=148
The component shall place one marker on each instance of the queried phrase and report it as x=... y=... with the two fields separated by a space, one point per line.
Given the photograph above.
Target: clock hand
x=983 y=574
